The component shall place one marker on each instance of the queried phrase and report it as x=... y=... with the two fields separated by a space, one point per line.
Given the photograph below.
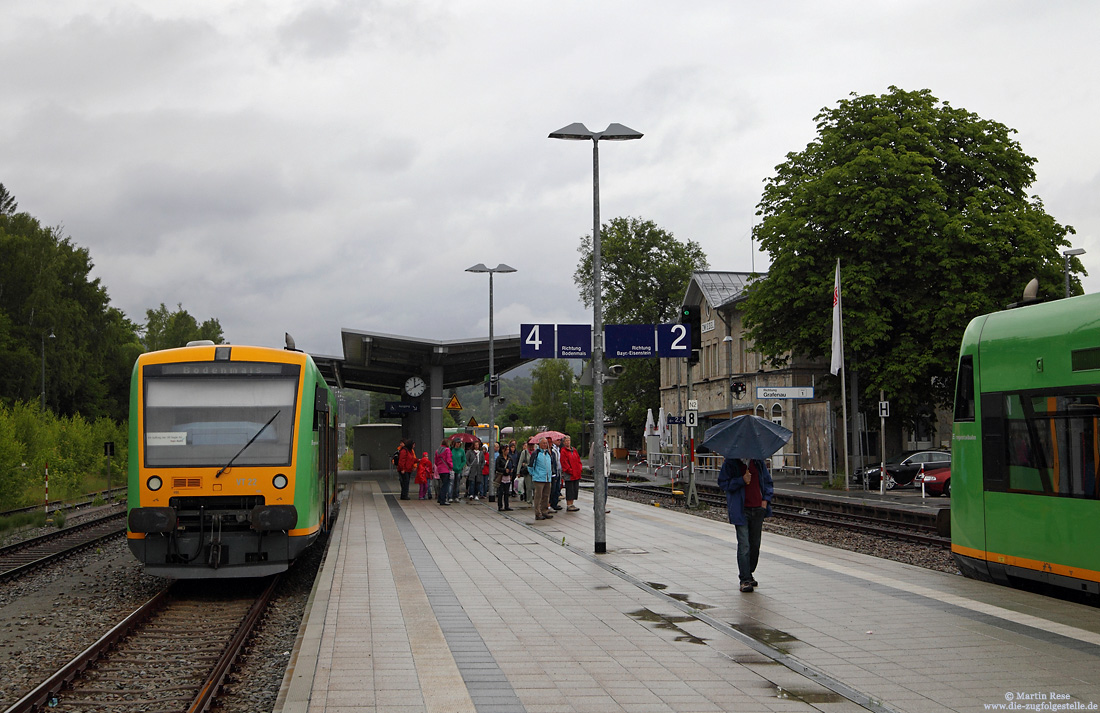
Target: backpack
x=395 y=457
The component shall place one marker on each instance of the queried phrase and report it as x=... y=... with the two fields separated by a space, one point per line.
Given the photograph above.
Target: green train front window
x=198 y=415
x=1053 y=442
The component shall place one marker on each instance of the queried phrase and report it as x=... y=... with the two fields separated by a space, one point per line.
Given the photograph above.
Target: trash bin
x=364 y=461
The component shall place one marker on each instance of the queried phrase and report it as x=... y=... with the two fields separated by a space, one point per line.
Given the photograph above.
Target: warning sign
x=453 y=404
x=472 y=423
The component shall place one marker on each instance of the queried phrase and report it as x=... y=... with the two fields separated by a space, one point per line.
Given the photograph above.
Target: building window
x=777 y=415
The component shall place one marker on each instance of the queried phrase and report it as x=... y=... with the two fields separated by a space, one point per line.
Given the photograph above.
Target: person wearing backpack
x=406 y=465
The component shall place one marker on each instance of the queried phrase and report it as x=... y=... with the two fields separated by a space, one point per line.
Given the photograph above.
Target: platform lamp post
x=614 y=132
x=1067 y=254
x=480 y=267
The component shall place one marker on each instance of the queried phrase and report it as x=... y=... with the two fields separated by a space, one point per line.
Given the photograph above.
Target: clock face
x=415 y=386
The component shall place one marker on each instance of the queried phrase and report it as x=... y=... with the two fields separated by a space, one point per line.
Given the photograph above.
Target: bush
x=59 y=519
x=71 y=446
x=23 y=519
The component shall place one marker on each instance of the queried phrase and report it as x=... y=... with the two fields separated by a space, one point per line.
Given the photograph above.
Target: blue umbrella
x=749 y=437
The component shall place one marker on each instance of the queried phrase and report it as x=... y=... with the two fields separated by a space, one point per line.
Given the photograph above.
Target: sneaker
x=507 y=509
x=547 y=516
x=540 y=517
x=572 y=508
x=746 y=586
x=555 y=507
x=753 y=582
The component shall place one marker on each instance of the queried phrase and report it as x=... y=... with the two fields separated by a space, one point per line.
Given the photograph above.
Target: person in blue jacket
x=749 y=492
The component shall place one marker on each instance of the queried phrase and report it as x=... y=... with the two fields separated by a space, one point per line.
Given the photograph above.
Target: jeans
x=748 y=542
x=444 y=487
x=404 y=478
x=555 y=491
x=504 y=490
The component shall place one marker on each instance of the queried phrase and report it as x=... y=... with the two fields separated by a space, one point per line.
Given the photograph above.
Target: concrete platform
x=421 y=607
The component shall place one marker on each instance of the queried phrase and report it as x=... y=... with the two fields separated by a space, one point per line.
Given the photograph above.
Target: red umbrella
x=464 y=437
x=552 y=435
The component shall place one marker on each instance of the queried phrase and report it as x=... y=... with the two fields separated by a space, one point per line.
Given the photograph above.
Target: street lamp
x=614 y=132
x=52 y=336
x=480 y=267
x=1067 y=254
x=729 y=372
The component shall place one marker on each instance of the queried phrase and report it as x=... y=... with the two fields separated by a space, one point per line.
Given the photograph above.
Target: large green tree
x=552 y=382
x=168 y=330
x=927 y=208
x=53 y=315
x=645 y=273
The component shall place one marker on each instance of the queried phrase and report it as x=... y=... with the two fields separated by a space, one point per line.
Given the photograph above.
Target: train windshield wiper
x=250 y=441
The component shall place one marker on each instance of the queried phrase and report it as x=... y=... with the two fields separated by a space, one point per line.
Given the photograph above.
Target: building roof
x=717 y=288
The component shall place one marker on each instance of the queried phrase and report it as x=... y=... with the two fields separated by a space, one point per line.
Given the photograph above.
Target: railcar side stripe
x=1024 y=563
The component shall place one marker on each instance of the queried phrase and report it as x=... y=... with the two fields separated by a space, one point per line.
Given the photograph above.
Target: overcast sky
x=307 y=167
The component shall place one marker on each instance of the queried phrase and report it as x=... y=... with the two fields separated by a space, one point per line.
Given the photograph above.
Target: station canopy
x=383 y=362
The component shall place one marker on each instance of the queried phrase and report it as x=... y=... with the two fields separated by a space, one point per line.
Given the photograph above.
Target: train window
x=1052 y=443
x=206 y=421
x=964 y=390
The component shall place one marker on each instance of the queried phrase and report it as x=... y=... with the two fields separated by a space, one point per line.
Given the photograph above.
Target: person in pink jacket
x=444 y=465
x=571 y=468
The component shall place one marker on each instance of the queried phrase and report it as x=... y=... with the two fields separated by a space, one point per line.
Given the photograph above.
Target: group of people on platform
x=536 y=473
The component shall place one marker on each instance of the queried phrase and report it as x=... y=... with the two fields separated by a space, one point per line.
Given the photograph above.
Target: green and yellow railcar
x=232 y=468
x=1025 y=498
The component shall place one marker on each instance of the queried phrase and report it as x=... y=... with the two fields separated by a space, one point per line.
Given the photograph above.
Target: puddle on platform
x=767 y=635
x=685 y=598
x=668 y=623
x=820 y=695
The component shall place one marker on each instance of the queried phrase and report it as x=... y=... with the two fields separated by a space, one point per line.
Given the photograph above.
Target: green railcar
x=232 y=460
x=1025 y=499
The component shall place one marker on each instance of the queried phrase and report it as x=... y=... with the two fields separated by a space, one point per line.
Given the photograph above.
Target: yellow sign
x=453 y=404
x=472 y=423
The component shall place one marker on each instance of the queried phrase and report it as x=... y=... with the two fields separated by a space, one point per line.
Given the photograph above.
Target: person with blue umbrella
x=746 y=441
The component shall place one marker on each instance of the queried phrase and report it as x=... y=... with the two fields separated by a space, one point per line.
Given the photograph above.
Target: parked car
x=936 y=481
x=902 y=468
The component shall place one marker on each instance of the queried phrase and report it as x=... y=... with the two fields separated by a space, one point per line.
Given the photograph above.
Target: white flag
x=838 y=327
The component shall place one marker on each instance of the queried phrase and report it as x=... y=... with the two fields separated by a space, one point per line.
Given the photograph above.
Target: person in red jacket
x=406 y=466
x=571 y=468
x=424 y=475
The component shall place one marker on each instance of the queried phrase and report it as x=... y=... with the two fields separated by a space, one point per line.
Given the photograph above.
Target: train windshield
x=204 y=419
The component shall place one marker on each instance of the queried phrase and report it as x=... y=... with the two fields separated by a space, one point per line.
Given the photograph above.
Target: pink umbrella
x=552 y=435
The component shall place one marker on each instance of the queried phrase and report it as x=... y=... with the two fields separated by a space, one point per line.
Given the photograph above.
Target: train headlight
x=279 y=481
x=154 y=482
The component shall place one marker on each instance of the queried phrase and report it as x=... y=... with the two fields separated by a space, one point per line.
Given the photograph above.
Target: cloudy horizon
x=303 y=168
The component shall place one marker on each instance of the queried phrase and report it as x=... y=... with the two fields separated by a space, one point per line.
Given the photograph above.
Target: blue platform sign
x=574 y=341
x=673 y=340
x=536 y=341
x=630 y=341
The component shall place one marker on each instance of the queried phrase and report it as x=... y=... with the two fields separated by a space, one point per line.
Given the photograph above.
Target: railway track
x=70 y=505
x=22 y=557
x=171 y=654
x=920 y=532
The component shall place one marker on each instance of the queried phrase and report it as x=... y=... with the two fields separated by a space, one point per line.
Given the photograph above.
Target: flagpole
x=838 y=363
